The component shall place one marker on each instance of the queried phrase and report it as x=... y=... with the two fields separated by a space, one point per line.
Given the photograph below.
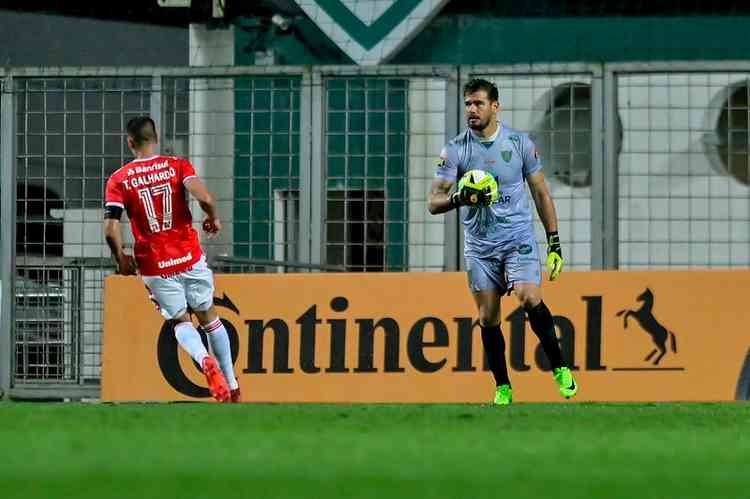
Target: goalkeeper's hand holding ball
x=476 y=188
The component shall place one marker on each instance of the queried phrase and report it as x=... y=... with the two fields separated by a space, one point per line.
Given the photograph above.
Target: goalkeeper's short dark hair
x=478 y=84
x=142 y=129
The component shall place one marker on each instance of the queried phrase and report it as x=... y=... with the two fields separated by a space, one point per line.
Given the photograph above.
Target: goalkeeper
x=490 y=163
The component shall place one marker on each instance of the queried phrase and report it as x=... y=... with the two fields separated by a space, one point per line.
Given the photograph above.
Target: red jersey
x=153 y=193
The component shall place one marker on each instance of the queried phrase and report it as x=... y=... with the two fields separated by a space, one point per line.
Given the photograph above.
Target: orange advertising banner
x=413 y=337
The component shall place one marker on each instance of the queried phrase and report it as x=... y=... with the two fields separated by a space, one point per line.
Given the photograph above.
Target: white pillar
x=426 y=139
x=211 y=132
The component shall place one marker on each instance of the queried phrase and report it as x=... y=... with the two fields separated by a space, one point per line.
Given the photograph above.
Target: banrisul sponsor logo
x=371 y=32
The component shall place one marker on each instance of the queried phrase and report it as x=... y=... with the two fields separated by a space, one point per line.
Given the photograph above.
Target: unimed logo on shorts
x=450 y=345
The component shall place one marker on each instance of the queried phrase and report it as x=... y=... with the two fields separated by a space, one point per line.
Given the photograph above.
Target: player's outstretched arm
x=113 y=236
x=440 y=200
x=197 y=189
x=546 y=209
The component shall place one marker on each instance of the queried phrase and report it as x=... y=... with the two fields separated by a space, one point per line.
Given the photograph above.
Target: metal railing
x=327 y=169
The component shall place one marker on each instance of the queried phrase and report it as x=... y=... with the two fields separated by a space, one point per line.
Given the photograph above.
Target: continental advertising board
x=398 y=337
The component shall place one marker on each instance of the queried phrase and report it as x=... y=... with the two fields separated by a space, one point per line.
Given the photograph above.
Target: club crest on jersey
x=506 y=155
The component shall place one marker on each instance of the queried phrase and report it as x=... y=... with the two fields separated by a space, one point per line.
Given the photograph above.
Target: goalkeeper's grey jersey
x=510 y=159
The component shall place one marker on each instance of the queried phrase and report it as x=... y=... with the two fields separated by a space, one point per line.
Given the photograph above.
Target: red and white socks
x=189 y=339
x=219 y=341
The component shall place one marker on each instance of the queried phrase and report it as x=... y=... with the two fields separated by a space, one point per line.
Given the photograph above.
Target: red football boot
x=217 y=384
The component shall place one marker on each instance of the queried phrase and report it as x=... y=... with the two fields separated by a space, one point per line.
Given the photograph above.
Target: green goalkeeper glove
x=555 y=260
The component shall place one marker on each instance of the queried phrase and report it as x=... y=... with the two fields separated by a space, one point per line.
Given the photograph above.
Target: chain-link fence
x=250 y=136
x=380 y=135
x=684 y=170
x=556 y=109
x=328 y=169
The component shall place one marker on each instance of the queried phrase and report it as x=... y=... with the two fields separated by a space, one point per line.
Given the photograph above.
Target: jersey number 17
x=147 y=196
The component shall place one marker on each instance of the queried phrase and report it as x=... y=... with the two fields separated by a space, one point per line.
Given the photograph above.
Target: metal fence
x=684 y=169
x=556 y=107
x=328 y=168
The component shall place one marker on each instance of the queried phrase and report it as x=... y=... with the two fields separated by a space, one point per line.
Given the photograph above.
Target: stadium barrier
x=329 y=166
x=399 y=337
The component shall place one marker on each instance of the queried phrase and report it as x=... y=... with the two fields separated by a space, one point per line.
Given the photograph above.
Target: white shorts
x=173 y=295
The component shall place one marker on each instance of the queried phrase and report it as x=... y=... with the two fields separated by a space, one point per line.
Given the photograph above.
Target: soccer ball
x=479 y=181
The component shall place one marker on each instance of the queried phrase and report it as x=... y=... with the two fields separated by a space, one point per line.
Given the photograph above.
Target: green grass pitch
x=628 y=451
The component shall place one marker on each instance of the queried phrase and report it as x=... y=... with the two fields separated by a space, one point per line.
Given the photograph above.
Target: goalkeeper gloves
x=468 y=196
x=555 y=260
x=476 y=188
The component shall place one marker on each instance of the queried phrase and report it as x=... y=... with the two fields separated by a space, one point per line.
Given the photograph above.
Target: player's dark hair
x=142 y=129
x=478 y=84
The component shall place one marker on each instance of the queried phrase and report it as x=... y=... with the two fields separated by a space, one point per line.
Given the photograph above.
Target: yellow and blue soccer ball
x=479 y=181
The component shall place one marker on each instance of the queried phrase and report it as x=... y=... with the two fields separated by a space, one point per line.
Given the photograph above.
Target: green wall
x=366 y=149
x=468 y=39
x=305 y=45
x=267 y=125
x=266 y=157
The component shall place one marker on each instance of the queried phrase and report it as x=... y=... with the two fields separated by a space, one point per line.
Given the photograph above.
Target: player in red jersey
x=153 y=190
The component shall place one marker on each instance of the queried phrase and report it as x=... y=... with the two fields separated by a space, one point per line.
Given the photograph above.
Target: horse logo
x=645 y=317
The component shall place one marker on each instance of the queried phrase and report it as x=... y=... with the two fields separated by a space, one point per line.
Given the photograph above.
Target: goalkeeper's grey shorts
x=519 y=263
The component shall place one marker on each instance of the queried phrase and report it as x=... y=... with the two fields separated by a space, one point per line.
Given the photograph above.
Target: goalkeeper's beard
x=479 y=125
